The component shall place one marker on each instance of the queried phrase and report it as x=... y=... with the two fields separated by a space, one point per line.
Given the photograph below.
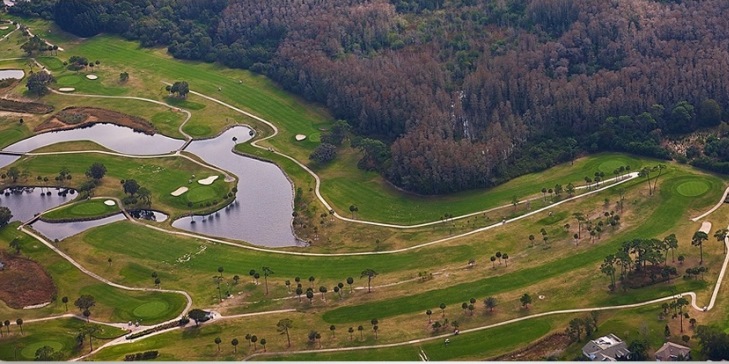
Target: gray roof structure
x=606 y=348
x=671 y=352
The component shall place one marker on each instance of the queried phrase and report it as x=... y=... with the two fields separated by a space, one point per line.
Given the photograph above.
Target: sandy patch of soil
x=76 y=117
x=207 y=181
x=179 y=191
x=24 y=282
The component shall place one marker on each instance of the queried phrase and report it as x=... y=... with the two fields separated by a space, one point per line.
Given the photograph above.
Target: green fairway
x=693 y=188
x=87 y=209
x=661 y=220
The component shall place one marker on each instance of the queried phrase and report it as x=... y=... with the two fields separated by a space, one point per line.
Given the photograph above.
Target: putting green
x=28 y=352
x=68 y=80
x=692 y=188
x=202 y=193
x=88 y=209
x=610 y=165
x=198 y=130
x=151 y=309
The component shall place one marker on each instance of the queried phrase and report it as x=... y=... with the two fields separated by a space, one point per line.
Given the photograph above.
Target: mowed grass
x=59 y=334
x=661 y=220
x=160 y=175
x=112 y=304
x=86 y=209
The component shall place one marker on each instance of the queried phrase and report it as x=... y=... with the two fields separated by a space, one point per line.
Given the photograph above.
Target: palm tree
x=65 y=302
x=288 y=285
x=580 y=219
x=442 y=309
x=350 y=280
x=720 y=236
x=493 y=262
x=263 y=343
x=7 y=326
x=310 y=295
x=375 y=328
x=323 y=291
x=498 y=256
x=490 y=303
x=531 y=239
x=360 y=328
x=429 y=312
x=333 y=328
x=254 y=340
x=698 y=240
x=505 y=257
x=671 y=243
x=87 y=314
x=20 y=324
x=351 y=333
x=234 y=342
x=370 y=273
x=299 y=292
x=311 y=281
x=266 y=272
x=283 y=327
x=217 y=342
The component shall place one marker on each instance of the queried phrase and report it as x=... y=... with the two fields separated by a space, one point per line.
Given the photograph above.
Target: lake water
x=117 y=138
x=262 y=211
x=30 y=202
x=260 y=215
x=16 y=74
x=63 y=230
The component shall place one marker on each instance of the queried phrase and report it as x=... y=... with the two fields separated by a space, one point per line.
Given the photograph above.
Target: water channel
x=260 y=215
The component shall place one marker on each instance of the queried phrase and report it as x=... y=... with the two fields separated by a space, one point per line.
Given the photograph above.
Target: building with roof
x=673 y=352
x=606 y=348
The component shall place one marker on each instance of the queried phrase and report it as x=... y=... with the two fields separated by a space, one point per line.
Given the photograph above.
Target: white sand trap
x=207 y=181
x=4 y=28
x=109 y=203
x=705 y=227
x=92 y=77
x=67 y=89
x=179 y=191
x=300 y=137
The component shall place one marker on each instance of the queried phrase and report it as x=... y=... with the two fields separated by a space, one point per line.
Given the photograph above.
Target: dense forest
x=463 y=93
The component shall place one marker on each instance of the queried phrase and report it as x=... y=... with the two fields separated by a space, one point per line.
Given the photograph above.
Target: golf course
x=337 y=264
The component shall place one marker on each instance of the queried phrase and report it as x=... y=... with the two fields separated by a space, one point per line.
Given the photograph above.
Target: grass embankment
x=58 y=334
x=160 y=175
x=83 y=210
x=112 y=304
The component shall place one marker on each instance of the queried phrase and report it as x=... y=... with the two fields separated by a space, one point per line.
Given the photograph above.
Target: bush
x=324 y=153
x=147 y=355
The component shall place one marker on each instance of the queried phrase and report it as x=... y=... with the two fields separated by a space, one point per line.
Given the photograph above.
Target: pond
x=24 y=203
x=16 y=74
x=261 y=213
x=117 y=138
x=62 y=230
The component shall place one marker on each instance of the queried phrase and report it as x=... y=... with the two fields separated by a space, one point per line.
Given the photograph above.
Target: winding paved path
x=410 y=342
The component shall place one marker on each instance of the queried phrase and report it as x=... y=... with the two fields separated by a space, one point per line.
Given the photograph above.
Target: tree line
x=466 y=96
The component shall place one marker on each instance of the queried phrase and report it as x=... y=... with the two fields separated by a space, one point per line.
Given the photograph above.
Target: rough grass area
x=25 y=107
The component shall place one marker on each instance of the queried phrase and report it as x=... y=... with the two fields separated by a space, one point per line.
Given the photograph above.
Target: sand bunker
x=300 y=137
x=179 y=191
x=4 y=28
x=705 y=227
x=109 y=203
x=67 y=89
x=92 y=77
x=207 y=181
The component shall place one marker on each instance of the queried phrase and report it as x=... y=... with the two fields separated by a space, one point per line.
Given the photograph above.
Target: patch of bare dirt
x=24 y=106
x=24 y=282
x=78 y=117
x=537 y=351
